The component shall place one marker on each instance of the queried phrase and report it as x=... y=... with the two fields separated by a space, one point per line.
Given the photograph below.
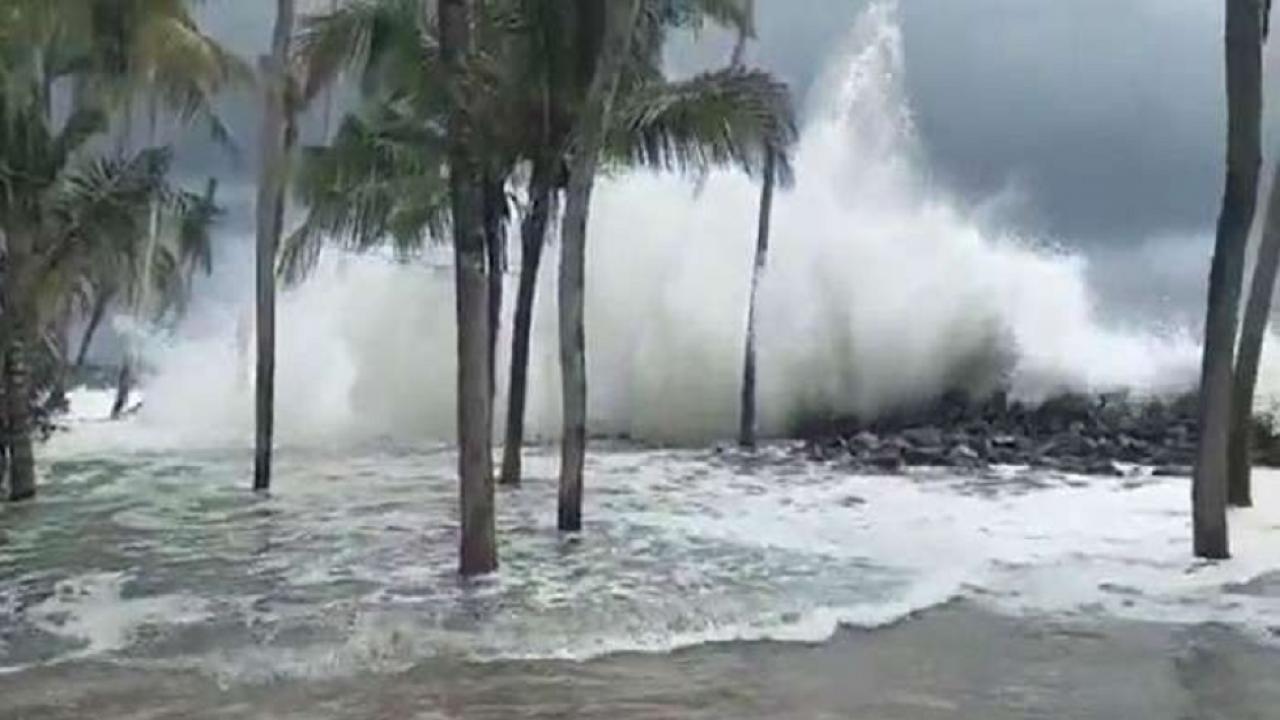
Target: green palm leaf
x=726 y=117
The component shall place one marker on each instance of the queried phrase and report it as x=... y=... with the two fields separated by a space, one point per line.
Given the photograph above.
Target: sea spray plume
x=879 y=287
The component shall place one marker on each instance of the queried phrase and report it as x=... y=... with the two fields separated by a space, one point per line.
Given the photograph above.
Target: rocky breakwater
x=1078 y=434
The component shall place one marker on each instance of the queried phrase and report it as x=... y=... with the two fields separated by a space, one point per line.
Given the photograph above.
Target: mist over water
x=881 y=290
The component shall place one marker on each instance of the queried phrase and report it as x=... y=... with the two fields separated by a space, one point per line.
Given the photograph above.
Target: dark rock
x=1004 y=442
x=1000 y=456
x=923 y=436
x=1072 y=442
x=927 y=456
x=889 y=460
x=1172 y=471
x=1085 y=434
x=1103 y=468
x=864 y=440
x=963 y=456
x=1073 y=466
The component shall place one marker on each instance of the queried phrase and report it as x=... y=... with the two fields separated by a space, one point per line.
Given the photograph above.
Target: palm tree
x=589 y=138
x=278 y=136
x=1244 y=105
x=478 y=547
x=747 y=420
x=685 y=126
x=1257 y=312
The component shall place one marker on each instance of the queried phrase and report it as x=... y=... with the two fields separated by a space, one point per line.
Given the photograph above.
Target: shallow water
x=166 y=560
x=958 y=663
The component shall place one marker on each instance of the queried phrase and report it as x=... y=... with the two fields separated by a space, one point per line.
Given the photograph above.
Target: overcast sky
x=1104 y=115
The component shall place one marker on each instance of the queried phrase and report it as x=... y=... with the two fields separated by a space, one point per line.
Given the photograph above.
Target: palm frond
x=82 y=126
x=727 y=117
x=735 y=15
x=382 y=182
x=195 y=217
x=364 y=37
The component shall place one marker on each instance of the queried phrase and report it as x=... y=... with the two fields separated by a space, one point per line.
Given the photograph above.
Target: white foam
x=349 y=567
x=92 y=611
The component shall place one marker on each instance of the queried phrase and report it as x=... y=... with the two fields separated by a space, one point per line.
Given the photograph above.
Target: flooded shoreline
x=957 y=661
x=706 y=584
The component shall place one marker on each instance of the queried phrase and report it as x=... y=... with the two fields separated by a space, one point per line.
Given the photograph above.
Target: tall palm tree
x=674 y=126
x=279 y=133
x=1252 y=331
x=1244 y=20
x=589 y=138
x=478 y=547
x=747 y=410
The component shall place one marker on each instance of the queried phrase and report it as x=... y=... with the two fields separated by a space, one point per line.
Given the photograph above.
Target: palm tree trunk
x=124 y=386
x=1239 y=201
x=57 y=399
x=478 y=548
x=1253 y=331
x=17 y=329
x=496 y=250
x=277 y=137
x=96 y=316
x=22 y=474
x=142 y=301
x=593 y=124
x=533 y=237
x=4 y=440
x=747 y=425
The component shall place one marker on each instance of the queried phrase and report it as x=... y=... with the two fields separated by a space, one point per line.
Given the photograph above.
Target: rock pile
x=1090 y=435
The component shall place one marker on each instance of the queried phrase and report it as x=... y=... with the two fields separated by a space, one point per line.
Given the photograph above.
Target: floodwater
x=705 y=583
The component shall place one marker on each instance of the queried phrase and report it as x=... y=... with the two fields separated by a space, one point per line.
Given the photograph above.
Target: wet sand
x=953 y=662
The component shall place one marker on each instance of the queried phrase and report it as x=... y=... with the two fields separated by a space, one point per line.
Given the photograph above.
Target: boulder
x=923 y=436
x=925 y=456
x=886 y=459
x=963 y=456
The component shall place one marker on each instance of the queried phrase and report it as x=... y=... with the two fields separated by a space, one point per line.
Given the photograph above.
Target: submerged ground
x=956 y=662
x=152 y=584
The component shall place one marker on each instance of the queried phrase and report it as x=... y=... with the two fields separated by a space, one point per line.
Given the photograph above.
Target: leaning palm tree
x=1244 y=32
x=1252 y=331
x=747 y=403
